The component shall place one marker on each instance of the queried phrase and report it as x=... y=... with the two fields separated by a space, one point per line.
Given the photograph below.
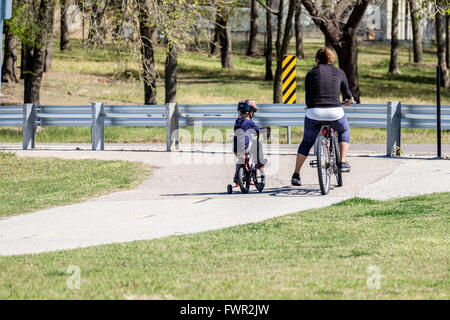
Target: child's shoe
x=261 y=164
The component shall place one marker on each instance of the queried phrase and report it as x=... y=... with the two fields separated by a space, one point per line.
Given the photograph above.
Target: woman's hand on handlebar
x=349 y=102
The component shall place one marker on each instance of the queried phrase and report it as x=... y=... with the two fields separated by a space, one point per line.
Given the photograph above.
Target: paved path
x=363 y=149
x=187 y=193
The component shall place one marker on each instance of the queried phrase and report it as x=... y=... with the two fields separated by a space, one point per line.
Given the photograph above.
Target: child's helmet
x=246 y=106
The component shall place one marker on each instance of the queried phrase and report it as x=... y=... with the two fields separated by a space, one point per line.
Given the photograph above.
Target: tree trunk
x=36 y=63
x=393 y=65
x=48 y=57
x=417 y=37
x=27 y=68
x=347 y=54
x=441 y=49
x=225 y=39
x=277 y=86
x=10 y=57
x=277 y=79
x=147 y=30
x=171 y=74
x=447 y=41
x=268 y=53
x=252 y=49
x=214 y=48
x=279 y=27
x=64 y=43
x=298 y=31
x=23 y=64
x=48 y=44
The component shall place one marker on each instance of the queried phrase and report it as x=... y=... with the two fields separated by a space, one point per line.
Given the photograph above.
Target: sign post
x=5 y=13
x=289 y=84
x=438 y=110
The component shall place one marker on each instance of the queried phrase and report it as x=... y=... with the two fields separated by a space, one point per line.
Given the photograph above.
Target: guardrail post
x=393 y=125
x=29 y=118
x=171 y=126
x=98 y=126
x=289 y=131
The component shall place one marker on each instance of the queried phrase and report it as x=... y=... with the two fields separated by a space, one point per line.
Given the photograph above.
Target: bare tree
x=64 y=43
x=170 y=77
x=213 y=47
x=447 y=40
x=147 y=29
x=393 y=65
x=226 y=54
x=10 y=56
x=269 y=44
x=282 y=49
x=252 y=49
x=35 y=61
x=339 y=27
x=48 y=56
x=298 y=31
x=97 y=30
x=417 y=37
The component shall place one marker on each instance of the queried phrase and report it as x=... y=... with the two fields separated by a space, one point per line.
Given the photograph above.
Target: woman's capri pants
x=312 y=128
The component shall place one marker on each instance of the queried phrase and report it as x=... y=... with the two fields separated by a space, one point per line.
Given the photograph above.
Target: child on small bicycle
x=244 y=132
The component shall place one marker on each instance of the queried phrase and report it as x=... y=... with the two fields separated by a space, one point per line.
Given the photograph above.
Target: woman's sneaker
x=344 y=167
x=296 y=181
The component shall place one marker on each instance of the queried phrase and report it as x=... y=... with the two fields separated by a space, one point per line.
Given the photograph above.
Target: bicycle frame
x=328 y=165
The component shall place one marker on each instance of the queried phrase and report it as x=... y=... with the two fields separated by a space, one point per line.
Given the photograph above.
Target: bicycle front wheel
x=243 y=180
x=259 y=179
x=323 y=164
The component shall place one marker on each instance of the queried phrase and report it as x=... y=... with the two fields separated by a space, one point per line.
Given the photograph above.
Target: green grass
x=314 y=254
x=81 y=76
x=28 y=184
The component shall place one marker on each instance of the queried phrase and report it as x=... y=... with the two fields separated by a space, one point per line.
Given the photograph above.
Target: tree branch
x=268 y=8
x=356 y=15
x=341 y=8
x=328 y=27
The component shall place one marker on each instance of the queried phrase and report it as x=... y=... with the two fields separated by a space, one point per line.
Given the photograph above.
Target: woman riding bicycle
x=323 y=84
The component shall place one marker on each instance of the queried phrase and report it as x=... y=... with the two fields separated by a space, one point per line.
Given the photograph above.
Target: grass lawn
x=327 y=253
x=81 y=76
x=28 y=184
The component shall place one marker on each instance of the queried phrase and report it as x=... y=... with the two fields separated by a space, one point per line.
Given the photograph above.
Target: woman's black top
x=323 y=84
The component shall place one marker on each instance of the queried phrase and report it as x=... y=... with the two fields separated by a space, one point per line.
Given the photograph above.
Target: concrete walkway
x=187 y=193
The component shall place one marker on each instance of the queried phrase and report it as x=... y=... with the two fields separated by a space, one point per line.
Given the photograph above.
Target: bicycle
x=328 y=158
x=249 y=175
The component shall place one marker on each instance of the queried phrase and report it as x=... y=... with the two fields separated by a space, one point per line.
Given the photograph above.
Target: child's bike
x=249 y=175
x=328 y=158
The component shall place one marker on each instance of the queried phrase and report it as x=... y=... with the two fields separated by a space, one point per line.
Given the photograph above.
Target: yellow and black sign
x=288 y=77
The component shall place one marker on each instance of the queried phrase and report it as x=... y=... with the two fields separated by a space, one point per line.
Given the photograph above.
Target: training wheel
x=229 y=189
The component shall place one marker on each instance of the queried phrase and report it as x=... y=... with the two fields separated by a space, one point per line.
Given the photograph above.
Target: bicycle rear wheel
x=337 y=160
x=323 y=164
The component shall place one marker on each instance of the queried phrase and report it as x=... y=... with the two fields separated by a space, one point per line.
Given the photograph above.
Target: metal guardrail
x=11 y=116
x=392 y=116
x=424 y=116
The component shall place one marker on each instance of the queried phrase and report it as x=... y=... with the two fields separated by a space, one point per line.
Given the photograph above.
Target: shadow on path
x=309 y=191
